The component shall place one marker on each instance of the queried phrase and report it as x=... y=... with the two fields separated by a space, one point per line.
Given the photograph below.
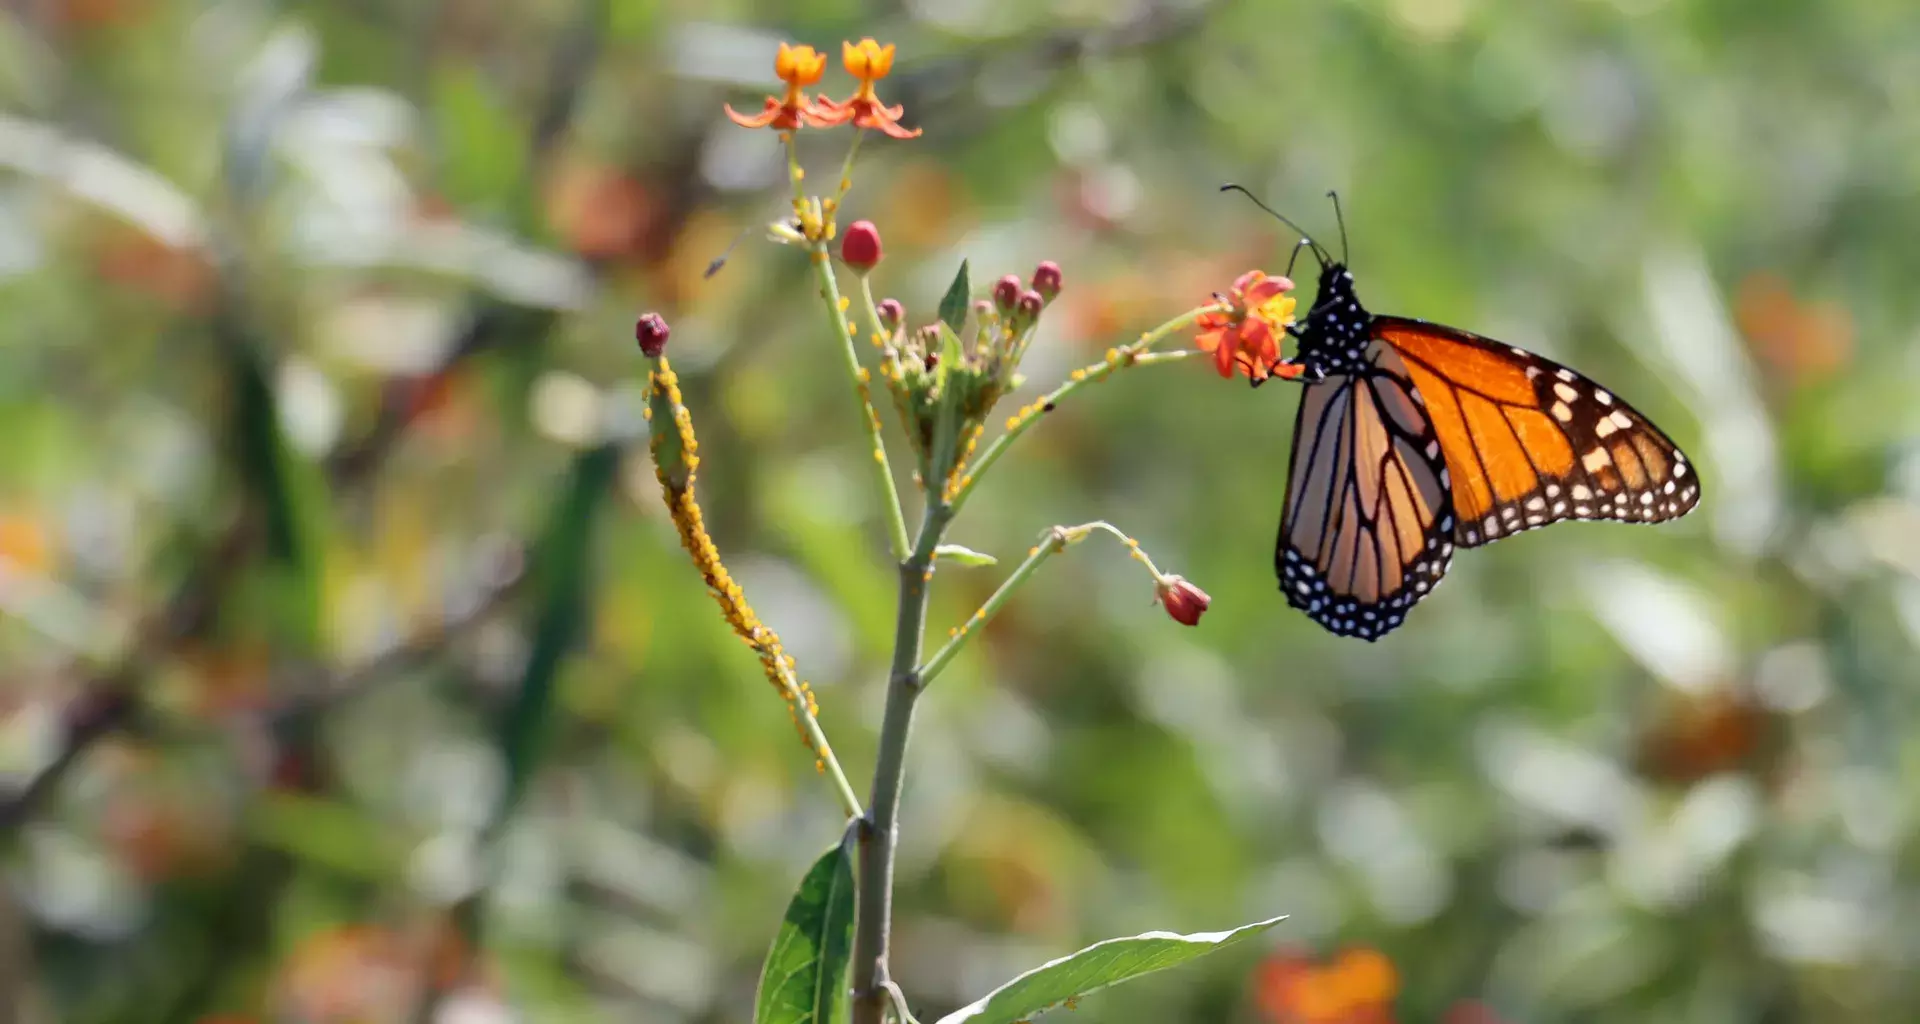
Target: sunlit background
x=313 y=312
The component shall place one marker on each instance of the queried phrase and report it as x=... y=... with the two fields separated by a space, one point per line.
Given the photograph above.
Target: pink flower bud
x=891 y=313
x=1046 y=280
x=860 y=246
x=1031 y=304
x=1183 y=601
x=1006 y=292
x=651 y=332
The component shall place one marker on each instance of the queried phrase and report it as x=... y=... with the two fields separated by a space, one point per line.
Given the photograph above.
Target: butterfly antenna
x=1341 y=220
x=1291 y=260
x=1319 y=253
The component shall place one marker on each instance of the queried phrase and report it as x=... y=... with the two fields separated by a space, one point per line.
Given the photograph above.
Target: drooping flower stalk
x=676 y=460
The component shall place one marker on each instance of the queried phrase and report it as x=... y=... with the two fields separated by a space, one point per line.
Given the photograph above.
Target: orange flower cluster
x=1246 y=335
x=1357 y=987
x=801 y=66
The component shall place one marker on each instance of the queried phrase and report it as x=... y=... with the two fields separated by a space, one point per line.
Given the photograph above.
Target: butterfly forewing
x=1368 y=528
x=1530 y=442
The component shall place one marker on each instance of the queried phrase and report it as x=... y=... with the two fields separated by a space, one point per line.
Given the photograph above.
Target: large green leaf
x=1096 y=967
x=804 y=980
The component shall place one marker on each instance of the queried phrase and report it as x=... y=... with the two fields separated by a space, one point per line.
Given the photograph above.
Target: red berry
x=1046 y=280
x=860 y=246
x=651 y=332
x=1006 y=292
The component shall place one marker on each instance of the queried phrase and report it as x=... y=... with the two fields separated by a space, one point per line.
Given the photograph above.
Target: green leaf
x=288 y=491
x=482 y=139
x=962 y=555
x=952 y=355
x=953 y=308
x=326 y=833
x=1096 y=967
x=559 y=569
x=804 y=980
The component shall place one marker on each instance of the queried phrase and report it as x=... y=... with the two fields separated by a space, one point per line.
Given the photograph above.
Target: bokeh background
x=317 y=361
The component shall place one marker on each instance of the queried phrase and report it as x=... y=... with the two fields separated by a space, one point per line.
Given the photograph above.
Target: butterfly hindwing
x=1530 y=442
x=1368 y=527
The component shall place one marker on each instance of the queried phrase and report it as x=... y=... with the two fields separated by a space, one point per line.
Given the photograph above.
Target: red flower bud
x=1031 y=304
x=651 y=332
x=1006 y=292
x=1046 y=280
x=891 y=313
x=860 y=246
x=1184 y=601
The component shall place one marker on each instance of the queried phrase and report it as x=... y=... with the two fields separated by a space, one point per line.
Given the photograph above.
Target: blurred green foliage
x=313 y=315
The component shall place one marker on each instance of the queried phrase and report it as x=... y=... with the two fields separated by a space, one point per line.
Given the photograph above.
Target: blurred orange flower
x=1691 y=738
x=25 y=545
x=1802 y=342
x=799 y=67
x=1357 y=987
x=1246 y=335
x=869 y=62
x=597 y=210
x=180 y=278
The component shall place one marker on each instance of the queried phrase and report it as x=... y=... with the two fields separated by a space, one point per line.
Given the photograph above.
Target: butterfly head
x=1333 y=335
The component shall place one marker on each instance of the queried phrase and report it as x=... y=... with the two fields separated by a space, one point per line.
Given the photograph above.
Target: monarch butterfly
x=1413 y=439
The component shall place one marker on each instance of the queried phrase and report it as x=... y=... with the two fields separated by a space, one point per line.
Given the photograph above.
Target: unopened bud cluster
x=946 y=381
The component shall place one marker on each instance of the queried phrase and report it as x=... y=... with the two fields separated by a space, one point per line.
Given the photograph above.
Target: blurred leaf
x=953 y=307
x=326 y=833
x=484 y=144
x=289 y=492
x=1096 y=967
x=804 y=980
x=559 y=577
x=962 y=555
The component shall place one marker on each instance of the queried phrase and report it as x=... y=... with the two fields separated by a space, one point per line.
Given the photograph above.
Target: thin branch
x=1054 y=541
x=318 y=696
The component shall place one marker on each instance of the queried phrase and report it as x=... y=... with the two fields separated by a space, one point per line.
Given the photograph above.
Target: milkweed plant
x=948 y=377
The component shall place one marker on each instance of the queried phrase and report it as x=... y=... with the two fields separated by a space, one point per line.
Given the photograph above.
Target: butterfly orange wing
x=1530 y=442
x=1368 y=528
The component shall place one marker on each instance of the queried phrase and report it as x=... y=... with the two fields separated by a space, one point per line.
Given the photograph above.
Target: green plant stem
x=849 y=801
x=871 y=311
x=1135 y=353
x=883 y=472
x=871 y=980
x=846 y=168
x=1055 y=540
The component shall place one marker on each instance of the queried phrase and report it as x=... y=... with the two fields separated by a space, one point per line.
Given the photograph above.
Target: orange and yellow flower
x=799 y=67
x=1357 y=987
x=869 y=62
x=1246 y=335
